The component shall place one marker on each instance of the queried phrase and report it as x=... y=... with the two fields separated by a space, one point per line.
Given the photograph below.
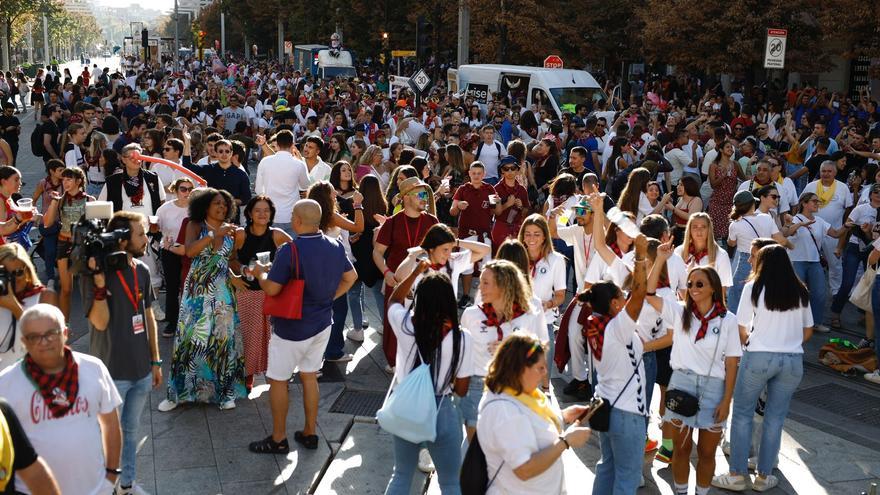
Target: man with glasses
x=510 y=202
x=120 y=308
x=834 y=200
x=67 y=403
x=398 y=234
x=224 y=174
x=233 y=113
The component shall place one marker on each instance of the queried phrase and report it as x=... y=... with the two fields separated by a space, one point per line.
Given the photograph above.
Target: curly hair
x=201 y=199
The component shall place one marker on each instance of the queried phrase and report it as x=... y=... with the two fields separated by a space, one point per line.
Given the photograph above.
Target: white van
x=559 y=90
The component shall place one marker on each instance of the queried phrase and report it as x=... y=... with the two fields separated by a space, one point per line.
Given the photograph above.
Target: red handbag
x=288 y=303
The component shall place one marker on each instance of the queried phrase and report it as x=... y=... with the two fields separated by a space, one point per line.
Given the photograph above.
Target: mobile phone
x=592 y=406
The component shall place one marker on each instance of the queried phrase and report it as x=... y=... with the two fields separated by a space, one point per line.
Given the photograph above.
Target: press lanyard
x=418 y=227
x=587 y=248
x=134 y=298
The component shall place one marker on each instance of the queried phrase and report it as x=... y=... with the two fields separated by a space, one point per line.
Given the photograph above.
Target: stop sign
x=553 y=62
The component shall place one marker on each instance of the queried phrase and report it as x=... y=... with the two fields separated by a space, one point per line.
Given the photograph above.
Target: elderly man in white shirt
x=834 y=199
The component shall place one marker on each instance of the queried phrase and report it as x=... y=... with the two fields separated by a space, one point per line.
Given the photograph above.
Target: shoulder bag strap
x=752 y=226
x=294 y=260
x=711 y=364
x=813 y=238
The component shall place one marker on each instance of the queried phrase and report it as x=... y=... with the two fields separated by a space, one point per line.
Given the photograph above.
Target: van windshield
x=568 y=98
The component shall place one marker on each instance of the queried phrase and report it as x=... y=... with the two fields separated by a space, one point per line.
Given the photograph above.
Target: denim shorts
x=471 y=402
x=709 y=390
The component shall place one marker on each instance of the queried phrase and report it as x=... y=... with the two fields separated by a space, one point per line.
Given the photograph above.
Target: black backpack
x=474 y=475
x=37 y=147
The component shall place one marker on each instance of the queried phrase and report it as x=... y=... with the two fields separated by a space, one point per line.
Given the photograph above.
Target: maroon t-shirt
x=477 y=218
x=400 y=233
x=512 y=215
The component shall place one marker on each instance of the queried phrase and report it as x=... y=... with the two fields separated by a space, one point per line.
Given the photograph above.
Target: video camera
x=91 y=241
x=7 y=281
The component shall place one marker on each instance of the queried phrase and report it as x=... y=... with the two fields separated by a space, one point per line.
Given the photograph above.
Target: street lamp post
x=176 y=37
x=46 y=57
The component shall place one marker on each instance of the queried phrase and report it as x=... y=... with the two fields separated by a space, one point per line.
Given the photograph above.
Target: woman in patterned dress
x=723 y=176
x=207 y=364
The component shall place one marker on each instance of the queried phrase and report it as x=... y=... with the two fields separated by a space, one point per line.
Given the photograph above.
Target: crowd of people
x=267 y=206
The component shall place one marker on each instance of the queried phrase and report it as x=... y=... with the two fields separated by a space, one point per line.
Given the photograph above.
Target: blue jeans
x=623 y=450
x=134 y=393
x=50 y=249
x=875 y=306
x=853 y=257
x=741 y=272
x=336 y=345
x=445 y=452
x=356 y=304
x=94 y=189
x=812 y=275
x=649 y=359
x=781 y=373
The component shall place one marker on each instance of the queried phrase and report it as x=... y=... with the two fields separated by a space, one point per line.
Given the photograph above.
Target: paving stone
x=190 y=481
x=174 y=453
x=239 y=465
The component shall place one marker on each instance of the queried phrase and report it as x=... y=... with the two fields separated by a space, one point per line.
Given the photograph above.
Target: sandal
x=269 y=446
x=308 y=441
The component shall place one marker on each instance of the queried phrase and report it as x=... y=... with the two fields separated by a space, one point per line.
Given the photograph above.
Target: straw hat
x=412 y=183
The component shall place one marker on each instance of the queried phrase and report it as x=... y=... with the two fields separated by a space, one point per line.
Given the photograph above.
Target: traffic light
x=423 y=39
x=385 y=40
x=145 y=38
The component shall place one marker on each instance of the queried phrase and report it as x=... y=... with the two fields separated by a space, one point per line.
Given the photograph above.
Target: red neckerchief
x=717 y=310
x=695 y=256
x=492 y=319
x=77 y=196
x=21 y=296
x=59 y=390
x=672 y=146
x=663 y=282
x=595 y=332
x=9 y=206
x=614 y=247
x=441 y=266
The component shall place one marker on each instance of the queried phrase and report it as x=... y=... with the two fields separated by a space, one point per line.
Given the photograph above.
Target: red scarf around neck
x=717 y=310
x=59 y=390
x=492 y=319
x=614 y=247
x=695 y=256
x=594 y=327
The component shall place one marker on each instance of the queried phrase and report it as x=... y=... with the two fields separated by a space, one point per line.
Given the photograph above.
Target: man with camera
x=124 y=335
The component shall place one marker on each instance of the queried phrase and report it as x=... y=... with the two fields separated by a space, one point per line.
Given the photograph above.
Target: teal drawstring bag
x=410 y=409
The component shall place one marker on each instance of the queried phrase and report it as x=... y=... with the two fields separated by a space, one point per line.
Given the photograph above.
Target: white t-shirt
x=584 y=250
x=167 y=175
x=840 y=201
x=170 y=219
x=787 y=193
x=860 y=215
x=458 y=263
x=491 y=157
x=653 y=324
x=282 y=177
x=772 y=331
x=400 y=320
x=7 y=333
x=807 y=240
x=676 y=270
x=696 y=356
x=722 y=264
x=548 y=276
x=74 y=158
x=531 y=322
x=510 y=433
x=72 y=445
x=621 y=353
x=645 y=208
x=679 y=159
x=749 y=227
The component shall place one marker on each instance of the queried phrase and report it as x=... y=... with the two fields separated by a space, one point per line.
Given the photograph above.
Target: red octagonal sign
x=553 y=62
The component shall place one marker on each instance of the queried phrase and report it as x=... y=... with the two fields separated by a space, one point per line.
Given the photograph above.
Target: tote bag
x=861 y=294
x=288 y=303
x=410 y=409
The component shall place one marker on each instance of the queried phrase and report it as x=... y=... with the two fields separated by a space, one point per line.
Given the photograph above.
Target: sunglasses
x=420 y=195
x=184 y=189
x=223 y=151
x=698 y=284
x=509 y=169
x=774 y=196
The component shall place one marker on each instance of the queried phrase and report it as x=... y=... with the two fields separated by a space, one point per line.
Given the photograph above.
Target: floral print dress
x=207 y=363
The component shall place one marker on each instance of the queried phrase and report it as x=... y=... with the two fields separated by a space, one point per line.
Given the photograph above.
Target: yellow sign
x=403 y=53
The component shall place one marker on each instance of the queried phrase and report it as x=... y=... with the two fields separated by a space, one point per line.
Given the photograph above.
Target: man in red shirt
x=511 y=202
x=471 y=204
x=398 y=234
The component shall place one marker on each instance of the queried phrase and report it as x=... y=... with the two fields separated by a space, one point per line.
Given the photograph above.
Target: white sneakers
x=356 y=335
x=763 y=484
x=873 y=377
x=167 y=405
x=158 y=313
x=134 y=489
x=225 y=406
x=426 y=464
x=821 y=328
x=730 y=482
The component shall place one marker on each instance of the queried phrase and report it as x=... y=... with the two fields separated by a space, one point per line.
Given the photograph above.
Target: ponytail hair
x=599 y=296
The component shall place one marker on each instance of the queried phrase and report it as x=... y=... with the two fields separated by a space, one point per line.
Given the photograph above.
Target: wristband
x=156 y=363
x=386 y=271
x=115 y=471
x=100 y=293
x=567 y=445
x=358 y=207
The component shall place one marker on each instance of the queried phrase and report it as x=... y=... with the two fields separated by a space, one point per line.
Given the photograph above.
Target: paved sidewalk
x=202 y=450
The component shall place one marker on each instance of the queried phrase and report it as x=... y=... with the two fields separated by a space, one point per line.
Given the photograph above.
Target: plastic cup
x=494 y=199
x=263 y=257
